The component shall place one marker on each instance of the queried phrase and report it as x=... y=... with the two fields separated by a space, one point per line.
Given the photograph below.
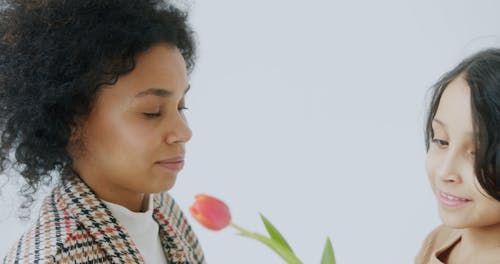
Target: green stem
x=239 y=228
x=288 y=256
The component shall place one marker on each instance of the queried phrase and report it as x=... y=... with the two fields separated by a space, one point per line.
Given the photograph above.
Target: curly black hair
x=54 y=57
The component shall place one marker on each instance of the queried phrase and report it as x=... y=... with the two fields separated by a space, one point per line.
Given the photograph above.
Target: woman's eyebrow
x=154 y=91
x=158 y=92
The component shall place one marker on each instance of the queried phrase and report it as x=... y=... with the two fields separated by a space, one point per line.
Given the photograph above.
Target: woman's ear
x=76 y=130
x=75 y=146
x=75 y=135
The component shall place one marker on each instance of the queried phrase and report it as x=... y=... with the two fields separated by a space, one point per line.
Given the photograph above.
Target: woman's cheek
x=143 y=135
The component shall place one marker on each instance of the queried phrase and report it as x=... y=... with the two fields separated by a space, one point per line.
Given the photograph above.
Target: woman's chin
x=163 y=184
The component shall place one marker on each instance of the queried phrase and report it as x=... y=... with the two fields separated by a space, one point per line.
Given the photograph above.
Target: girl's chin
x=453 y=220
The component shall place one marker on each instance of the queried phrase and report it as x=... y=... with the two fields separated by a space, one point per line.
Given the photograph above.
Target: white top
x=143 y=230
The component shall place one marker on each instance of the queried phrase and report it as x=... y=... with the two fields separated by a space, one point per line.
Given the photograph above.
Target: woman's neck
x=135 y=202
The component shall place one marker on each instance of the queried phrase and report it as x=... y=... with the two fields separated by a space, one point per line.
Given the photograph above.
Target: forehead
x=161 y=66
x=454 y=107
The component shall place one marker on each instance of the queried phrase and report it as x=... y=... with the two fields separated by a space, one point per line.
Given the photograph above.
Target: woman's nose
x=178 y=130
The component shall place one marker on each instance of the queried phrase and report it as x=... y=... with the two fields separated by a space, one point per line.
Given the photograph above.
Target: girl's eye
x=182 y=108
x=151 y=115
x=439 y=142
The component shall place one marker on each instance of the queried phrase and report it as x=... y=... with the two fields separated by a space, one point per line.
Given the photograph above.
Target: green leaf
x=275 y=234
x=328 y=255
x=284 y=252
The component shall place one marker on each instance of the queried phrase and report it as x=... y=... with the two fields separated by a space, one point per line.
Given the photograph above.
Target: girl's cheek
x=430 y=167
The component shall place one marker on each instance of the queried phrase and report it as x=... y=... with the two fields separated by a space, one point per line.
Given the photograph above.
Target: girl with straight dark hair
x=463 y=162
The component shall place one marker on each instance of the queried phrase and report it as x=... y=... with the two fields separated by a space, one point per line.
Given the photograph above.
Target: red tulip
x=210 y=212
x=214 y=214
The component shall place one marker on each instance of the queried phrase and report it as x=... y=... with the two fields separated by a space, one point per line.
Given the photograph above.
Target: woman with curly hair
x=92 y=94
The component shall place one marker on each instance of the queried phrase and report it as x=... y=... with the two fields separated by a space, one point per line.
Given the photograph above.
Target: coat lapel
x=99 y=222
x=179 y=242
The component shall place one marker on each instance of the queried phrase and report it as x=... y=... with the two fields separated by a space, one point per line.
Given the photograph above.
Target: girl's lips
x=451 y=200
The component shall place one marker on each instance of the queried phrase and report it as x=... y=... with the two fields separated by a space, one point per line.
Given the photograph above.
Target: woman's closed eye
x=151 y=115
x=158 y=114
x=440 y=142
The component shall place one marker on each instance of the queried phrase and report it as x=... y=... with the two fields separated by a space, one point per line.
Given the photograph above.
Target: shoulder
x=51 y=238
x=438 y=238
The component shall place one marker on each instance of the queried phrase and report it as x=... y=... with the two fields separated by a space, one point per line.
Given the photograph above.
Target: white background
x=311 y=112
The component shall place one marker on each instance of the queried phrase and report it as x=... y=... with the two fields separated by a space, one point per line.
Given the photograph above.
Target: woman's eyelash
x=153 y=115
x=439 y=142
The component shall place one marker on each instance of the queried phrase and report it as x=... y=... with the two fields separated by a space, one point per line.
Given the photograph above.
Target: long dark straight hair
x=481 y=71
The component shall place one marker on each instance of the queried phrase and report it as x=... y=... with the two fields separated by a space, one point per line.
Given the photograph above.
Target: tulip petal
x=210 y=212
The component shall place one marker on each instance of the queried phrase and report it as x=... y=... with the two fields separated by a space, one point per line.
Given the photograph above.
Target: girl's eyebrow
x=158 y=92
x=442 y=124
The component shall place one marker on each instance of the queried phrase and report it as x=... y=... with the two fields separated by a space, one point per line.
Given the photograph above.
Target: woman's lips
x=451 y=200
x=175 y=164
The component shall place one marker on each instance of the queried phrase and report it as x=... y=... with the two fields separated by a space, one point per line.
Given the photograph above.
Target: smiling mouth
x=451 y=200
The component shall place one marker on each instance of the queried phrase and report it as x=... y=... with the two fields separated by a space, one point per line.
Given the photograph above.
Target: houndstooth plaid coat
x=76 y=227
